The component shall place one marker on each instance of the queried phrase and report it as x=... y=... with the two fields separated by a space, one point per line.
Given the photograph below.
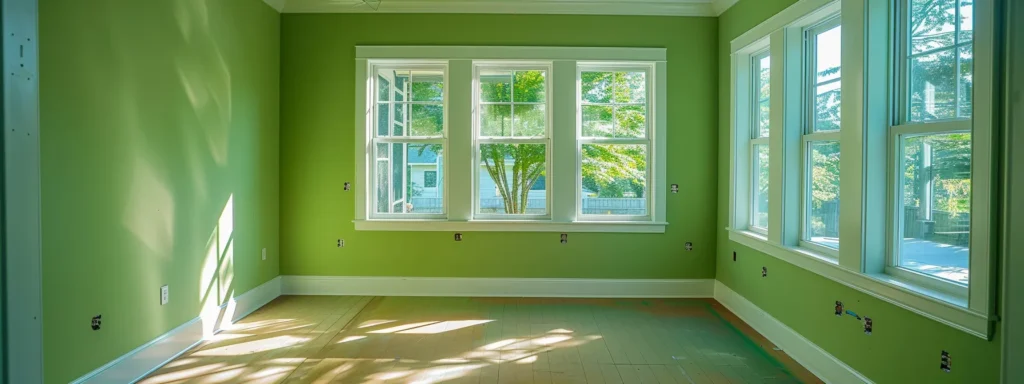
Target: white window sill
x=944 y=308
x=510 y=226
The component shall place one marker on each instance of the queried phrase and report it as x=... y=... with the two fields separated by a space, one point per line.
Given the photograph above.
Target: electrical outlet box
x=341 y=243
x=264 y=254
x=165 y=294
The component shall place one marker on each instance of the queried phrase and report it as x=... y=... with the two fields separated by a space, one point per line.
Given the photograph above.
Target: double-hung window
x=409 y=134
x=931 y=139
x=820 y=139
x=512 y=140
x=614 y=141
x=759 y=133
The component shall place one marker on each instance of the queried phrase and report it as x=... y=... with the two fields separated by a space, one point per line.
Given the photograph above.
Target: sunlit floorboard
x=349 y=339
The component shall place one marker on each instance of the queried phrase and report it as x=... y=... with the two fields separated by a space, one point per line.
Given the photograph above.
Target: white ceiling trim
x=720 y=6
x=276 y=4
x=576 y=7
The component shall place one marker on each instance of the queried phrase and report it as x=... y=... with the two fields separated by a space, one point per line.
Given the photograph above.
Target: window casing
x=445 y=178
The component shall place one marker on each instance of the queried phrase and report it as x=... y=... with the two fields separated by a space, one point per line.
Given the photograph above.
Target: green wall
x=317 y=156
x=904 y=347
x=155 y=115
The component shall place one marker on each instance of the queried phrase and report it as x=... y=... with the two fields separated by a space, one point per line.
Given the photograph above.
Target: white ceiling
x=578 y=7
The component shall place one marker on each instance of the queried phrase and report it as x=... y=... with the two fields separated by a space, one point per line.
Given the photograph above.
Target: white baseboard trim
x=811 y=356
x=493 y=287
x=149 y=357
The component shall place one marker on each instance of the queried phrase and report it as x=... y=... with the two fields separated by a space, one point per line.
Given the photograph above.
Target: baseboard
x=147 y=358
x=493 y=287
x=817 y=360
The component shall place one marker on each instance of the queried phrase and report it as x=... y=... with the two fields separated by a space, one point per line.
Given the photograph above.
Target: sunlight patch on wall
x=149 y=212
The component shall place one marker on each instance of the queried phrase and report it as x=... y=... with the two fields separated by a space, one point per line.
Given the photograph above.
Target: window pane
x=823 y=208
x=613 y=87
x=966 y=21
x=496 y=120
x=933 y=86
x=762 y=88
x=412 y=181
x=759 y=210
x=496 y=86
x=597 y=121
x=932 y=24
x=529 y=120
x=614 y=179
x=427 y=85
x=427 y=120
x=508 y=174
x=828 y=57
x=630 y=121
x=936 y=216
x=383 y=88
x=383 y=119
x=529 y=87
x=826 y=107
x=966 y=78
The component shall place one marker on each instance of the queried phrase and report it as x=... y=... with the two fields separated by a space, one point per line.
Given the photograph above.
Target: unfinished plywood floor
x=346 y=339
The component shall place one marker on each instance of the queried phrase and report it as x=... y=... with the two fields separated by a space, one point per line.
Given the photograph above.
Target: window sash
x=810 y=66
x=903 y=46
x=896 y=218
x=807 y=143
x=647 y=140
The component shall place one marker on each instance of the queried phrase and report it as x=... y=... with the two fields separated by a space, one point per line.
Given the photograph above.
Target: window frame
x=459 y=172
x=902 y=127
x=867 y=169
x=755 y=136
x=478 y=140
x=375 y=139
x=648 y=140
x=808 y=135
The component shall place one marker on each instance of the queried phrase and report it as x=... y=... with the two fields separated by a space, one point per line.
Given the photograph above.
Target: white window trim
x=459 y=191
x=865 y=113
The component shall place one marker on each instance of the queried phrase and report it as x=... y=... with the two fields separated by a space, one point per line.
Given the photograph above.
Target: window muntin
x=408 y=141
x=614 y=137
x=938 y=59
x=512 y=140
x=823 y=90
x=760 y=123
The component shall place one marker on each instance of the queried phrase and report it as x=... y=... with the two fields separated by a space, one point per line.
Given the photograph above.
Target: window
x=614 y=137
x=430 y=179
x=932 y=191
x=914 y=136
x=537 y=139
x=512 y=139
x=821 y=136
x=761 y=91
x=409 y=104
